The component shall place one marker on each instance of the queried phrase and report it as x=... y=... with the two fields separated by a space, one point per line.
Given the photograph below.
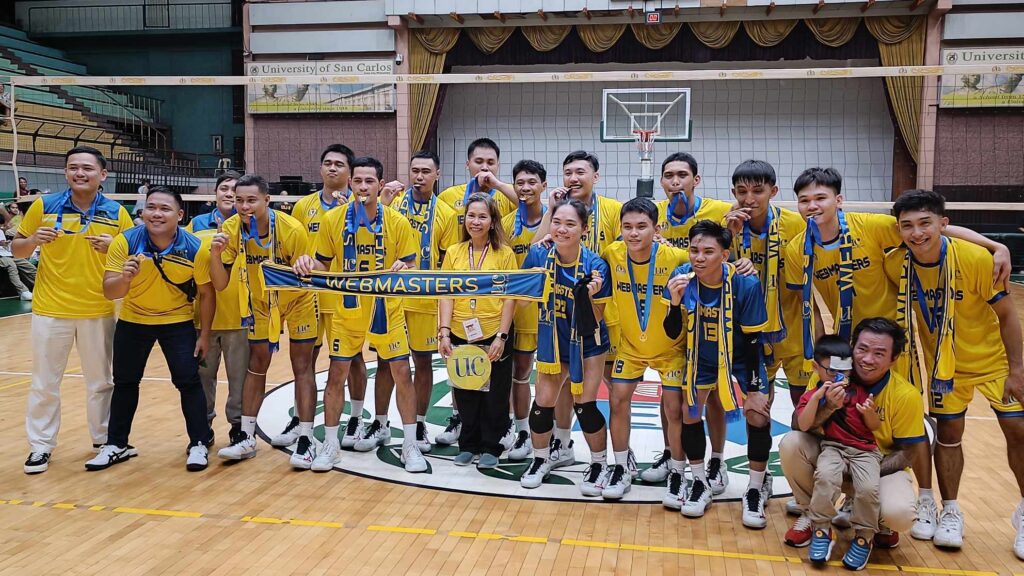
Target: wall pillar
x=930 y=96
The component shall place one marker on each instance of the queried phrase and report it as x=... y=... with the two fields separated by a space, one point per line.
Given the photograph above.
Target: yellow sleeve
x=189 y=227
x=299 y=242
x=324 y=238
x=405 y=242
x=450 y=258
x=893 y=265
x=231 y=227
x=32 y=219
x=505 y=206
x=201 y=266
x=450 y=233
x=124 y=220
x=906 y=417
x=508 y=259
x=794 y=262
x=117 y=253
x=980 y=267
x=884 y=229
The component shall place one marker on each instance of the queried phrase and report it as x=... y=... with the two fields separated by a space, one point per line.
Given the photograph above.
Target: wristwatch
x=503 y=336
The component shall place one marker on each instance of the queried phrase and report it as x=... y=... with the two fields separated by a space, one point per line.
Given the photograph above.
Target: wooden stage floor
x=150 y=516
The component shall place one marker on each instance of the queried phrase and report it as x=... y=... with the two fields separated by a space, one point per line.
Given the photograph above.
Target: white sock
x=409 y=433
x=717 y=455
x=522 y=424
x=306 y=429
x=563 y=434
x=699 y=473
x=455 y=411
x=420 y=418
x=756 y=479
x=621 y=458
x=925 y=494
x=249 y=425
x=331 y=435
x=356 y=409
x=677 y=465
x=951 y=504
x=544 y=453
x=601 y=456
x=383 y=419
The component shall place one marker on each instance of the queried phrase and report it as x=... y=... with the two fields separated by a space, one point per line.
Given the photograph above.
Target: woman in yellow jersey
x=483 y=322
x=158 y=268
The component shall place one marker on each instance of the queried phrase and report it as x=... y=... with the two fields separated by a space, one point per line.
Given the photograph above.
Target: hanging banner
x=320 y=98
x=1001 y=89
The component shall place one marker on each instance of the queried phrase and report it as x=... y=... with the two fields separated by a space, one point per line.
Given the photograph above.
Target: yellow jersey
x=287 y=241
x=901 y=410
x=977 y=344
x=443 y=232
x=635 y=342
x=678 y=234
x=310 y=210
x=526 y=316
x=454 y=196
x=872 y=235
x=373 y=251
x=150 y=298
x=791 y=224
x=69 y=279
x=487 y=310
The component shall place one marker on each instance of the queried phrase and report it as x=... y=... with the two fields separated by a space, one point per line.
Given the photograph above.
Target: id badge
x=473 y=329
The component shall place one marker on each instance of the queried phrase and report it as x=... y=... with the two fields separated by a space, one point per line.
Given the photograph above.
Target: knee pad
x=590 y=417
x=542 y=419
x=695 y=443
x=759 y=443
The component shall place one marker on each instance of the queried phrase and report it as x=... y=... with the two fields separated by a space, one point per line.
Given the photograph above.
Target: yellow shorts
x=299 y=312
x=614 y=335
x=524 y=342
x=630 y=370
x=323 y=327
x=954 y=404
x=422 y=328
x=348 y=334
x=792 y=366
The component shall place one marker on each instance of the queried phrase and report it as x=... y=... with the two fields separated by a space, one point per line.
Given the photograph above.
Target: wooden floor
x=150 y=516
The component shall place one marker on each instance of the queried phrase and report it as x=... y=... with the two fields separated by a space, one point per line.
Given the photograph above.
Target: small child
x=847 y=448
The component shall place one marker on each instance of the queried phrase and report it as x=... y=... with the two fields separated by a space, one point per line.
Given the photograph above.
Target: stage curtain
x=600 y=37
x=833 y=32
x=904 y=92
x=715 y=34
x=436 y=40
x=657 y=36
x=427 y=51
x=892 y=29
x=488 y=40
x=545 y=38
x=768 y=33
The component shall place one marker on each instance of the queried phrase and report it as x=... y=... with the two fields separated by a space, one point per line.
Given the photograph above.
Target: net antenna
x=644 y=116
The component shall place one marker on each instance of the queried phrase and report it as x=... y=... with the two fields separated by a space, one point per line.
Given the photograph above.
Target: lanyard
x=932 y=313
x=253 y=232
x=89 y=216
x=473 y=265
x=643 y=307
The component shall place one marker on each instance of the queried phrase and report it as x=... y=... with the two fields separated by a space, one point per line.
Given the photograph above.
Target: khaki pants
x=835 y=462
x=897 y=499
x=233 y=346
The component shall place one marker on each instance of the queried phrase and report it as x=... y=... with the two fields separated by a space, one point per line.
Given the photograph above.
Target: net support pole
x=645 y=146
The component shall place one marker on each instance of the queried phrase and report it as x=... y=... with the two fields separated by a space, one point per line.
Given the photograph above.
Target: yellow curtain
x=833 y=32
x=715 y=34
x=892 y=29
x=427 y=51
x=904 y=91
x=545 y=38
x=657 y=36
x=768 y=33
x=488 y=40
x=600 y=37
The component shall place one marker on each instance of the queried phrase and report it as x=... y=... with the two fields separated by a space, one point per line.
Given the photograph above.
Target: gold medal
x=643 y=336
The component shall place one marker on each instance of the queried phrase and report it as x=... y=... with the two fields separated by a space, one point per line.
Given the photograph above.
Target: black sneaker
x=37 y=462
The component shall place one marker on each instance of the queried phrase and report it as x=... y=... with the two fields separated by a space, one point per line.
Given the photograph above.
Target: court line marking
x=697 y=552
x=72 y=375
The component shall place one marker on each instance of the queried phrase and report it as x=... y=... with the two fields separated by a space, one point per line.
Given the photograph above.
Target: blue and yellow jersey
x=288 y=242
x=565 y=281
x=444 y=233
x=679 y=235
x=454 y=196
x=901 y=410
x=487 y=310
x=526 y=316
x=310 y=210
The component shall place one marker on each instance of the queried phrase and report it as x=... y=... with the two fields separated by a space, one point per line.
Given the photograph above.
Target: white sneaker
x=304 y=454
x=244 y=448
x=927 y=519
x=842 y=517
x=522 y=448
x=594 y=479
x=422 y=440
x=793 y=508
x=198 y=458
x=509 y=439
x=767 y=488
x=631 y=466
x=413 y=458
x=376 y=435
x=675 y=491
x=697 y=501
x=1018 y=525
x=354 y=432
x=561 y=455
x=618 y=484
x=753 y=509
x=37 y=462
x=26 y=296
x=718 y=476
x=289 y=436
x=658 y=471
x=108 y=456
x=330 y=454
x=451 y=431
x=536 y=473
x=950 y=533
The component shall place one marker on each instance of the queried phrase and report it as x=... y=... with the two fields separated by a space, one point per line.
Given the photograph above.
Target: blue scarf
x=425 y=227
x=521 y=219
x=844 y=280
x=687 y=213
x=356 y=218
x=694 y=334
x=252 y=232
x=548 y=358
